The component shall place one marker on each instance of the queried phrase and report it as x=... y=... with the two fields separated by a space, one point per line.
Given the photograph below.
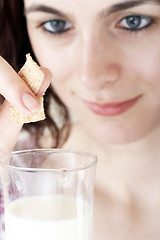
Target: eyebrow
x=45 y=9
x=126 y=5
x=113 y=9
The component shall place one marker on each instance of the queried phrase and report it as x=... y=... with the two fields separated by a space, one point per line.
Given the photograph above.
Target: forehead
x=81 y=8
x=78 y=5
x=69 y=5
x=74 y=2
x=86 y=2
x=73 y=7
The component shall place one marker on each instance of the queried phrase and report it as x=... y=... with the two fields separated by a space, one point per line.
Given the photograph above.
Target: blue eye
x=57 y=26
x=135 y=23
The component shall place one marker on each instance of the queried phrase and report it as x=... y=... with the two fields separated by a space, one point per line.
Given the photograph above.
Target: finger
x=46 y=82
x=9 y=130
x=16 y=91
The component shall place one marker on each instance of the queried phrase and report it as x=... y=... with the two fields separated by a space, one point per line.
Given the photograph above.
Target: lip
x=112 y=108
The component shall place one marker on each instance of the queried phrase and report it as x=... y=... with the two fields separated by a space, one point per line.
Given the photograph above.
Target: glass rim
x=52 y=150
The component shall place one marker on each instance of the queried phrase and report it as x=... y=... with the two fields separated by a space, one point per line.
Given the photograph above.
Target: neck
x=129 y=158
x=132 y=166
x=127 y=177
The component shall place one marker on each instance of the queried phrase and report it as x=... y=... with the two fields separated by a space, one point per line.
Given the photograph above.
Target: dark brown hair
x=14 y=45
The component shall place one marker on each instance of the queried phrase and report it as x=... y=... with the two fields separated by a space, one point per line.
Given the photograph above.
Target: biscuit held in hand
x=33 y=77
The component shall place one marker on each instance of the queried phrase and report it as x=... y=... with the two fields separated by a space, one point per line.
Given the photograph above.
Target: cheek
x=142 y=69
x=145 y=62
x=58 y=59
x=60 y=68
x=151 y=66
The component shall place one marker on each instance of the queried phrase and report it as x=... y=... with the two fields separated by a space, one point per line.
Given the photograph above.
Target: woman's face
x=105 y=59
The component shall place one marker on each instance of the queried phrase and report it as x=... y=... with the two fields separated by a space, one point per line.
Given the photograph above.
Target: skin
x=14 y=94
x=103 y=65
x=99 y=59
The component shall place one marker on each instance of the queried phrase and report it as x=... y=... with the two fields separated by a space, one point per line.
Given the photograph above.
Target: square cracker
x=33 y=77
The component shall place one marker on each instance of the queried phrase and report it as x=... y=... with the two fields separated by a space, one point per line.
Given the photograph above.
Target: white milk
x=48 y=218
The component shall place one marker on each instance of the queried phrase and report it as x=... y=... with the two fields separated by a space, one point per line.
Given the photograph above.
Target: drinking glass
x=48 y=194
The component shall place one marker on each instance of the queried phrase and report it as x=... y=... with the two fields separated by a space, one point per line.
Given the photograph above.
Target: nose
x=98 y=66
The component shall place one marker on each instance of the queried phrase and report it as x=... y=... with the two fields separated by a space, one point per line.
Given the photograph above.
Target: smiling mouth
x=112 y=108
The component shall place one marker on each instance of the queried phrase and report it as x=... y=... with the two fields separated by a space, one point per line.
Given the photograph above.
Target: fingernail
x=31 y=103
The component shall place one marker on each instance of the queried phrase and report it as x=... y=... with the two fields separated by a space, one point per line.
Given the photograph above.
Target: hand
x=18 y=94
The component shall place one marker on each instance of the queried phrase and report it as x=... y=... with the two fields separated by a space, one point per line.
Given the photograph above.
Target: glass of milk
x=48 y=194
